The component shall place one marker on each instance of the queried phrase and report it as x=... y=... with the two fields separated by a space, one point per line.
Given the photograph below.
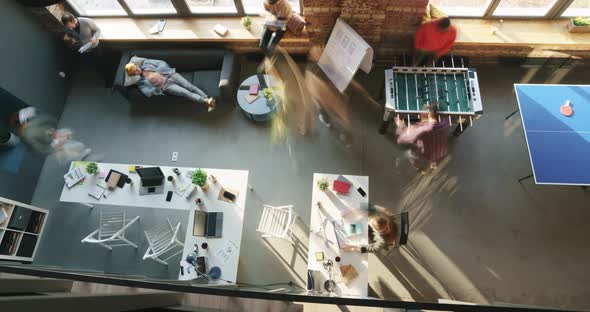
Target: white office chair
x=111 y=229
x=162 y=239
x=277 y=222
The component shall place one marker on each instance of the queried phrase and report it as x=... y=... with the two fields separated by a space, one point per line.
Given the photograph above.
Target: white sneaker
x=323 y=121
x=12 y=141
x=26 y=114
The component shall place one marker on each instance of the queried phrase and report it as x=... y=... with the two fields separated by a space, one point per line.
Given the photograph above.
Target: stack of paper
x=74 y=176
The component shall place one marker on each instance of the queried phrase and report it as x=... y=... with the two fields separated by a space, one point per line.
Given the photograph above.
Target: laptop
x=208 y=224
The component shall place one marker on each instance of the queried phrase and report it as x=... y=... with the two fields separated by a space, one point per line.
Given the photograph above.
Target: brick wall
x=387 y=25
x=50 y=17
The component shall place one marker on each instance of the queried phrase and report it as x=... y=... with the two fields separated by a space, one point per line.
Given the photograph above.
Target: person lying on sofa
x=156 y=77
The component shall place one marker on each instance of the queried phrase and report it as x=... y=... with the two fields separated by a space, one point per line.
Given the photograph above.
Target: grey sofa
x=215 y=71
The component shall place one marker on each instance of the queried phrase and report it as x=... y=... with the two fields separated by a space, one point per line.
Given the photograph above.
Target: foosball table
x=455 y=91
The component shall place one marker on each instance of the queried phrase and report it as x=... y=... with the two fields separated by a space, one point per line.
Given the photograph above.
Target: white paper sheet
x=344 y=54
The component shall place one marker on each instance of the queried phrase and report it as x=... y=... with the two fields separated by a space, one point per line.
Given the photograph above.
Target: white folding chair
x=162 y=240
x=277 y=222
x=111 y=230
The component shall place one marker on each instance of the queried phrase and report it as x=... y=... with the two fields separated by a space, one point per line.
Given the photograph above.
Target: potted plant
x=92 y=168
x=200 y=179
x=579 y=24
x=267 y=92
x=323 y=184
x=246 y=22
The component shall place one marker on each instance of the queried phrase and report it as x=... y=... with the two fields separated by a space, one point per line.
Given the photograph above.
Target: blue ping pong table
x=559 y=146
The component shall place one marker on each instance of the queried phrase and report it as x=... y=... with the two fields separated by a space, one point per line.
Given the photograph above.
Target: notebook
x=254 y=89
x=208 y=224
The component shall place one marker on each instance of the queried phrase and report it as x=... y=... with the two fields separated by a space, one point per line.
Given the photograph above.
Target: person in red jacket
x=434 y=39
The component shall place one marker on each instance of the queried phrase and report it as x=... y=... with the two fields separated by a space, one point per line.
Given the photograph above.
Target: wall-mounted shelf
x=21 y=227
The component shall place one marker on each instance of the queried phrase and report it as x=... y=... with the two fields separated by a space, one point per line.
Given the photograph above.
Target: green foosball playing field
x=455 y=91
x=448 y=90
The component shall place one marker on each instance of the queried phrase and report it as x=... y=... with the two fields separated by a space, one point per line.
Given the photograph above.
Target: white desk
x=351 y=208
x=233 y=213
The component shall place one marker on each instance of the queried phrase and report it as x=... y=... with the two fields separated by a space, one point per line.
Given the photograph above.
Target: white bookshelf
x=21 y=230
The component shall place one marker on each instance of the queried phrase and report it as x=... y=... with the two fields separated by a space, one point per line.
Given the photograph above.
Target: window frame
x=181 y=6
x=554 y=12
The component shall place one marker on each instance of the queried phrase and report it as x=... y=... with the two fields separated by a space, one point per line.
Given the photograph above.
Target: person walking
x=433 y=39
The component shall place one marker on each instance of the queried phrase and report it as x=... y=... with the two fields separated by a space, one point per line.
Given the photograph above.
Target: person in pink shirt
x=428 y=139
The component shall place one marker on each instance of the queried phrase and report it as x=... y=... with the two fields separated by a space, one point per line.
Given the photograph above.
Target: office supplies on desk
x=96 y=192
x=341 y=186
x=223 y=197
x=113 y=179
x=151 y=180
x=319 y=256
x=74 y=176
x=352 y=229
x=251 y=98
x=341 y=239
x=120 y=181
x=169 y=196
x=254 y=89
x=348 y=273
x=208 y=224
x=227 y=252
x=189 y=190
x=361 y=191
x=314 y=280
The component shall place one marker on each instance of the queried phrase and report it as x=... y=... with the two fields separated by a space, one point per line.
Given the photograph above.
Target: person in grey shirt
x=80 y=30
x=158 y=78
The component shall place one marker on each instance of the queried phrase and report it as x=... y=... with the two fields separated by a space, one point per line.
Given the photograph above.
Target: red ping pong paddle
x=566 y=109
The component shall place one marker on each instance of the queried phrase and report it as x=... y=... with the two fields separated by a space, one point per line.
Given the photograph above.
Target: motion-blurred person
x=433 y=39
x=278 y=14
x=158 y=78
x=296 y=111
x=40 y=133
x=331 y=105
x=10 y=106
x=80 y=31
x=428 y=139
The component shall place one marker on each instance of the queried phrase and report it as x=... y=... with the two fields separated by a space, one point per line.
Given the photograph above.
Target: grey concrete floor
x=476 y=233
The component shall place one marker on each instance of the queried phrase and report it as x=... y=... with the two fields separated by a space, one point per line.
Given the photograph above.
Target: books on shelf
x=3 y=215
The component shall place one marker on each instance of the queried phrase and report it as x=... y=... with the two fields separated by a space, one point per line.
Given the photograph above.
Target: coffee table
x=261 y=109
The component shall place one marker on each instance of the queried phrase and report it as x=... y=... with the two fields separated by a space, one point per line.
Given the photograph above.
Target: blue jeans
x=266 y=36
x=178 y=86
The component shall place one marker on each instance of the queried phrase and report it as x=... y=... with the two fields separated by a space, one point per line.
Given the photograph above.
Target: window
x=151 y=6
x=463 y=7
x=212 y=6
x=97 y=7
x=253 y=7
x=524 y=7
x=578 y=8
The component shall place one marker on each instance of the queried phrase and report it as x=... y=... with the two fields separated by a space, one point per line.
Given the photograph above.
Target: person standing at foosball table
x=433 y=39
x=428 y=139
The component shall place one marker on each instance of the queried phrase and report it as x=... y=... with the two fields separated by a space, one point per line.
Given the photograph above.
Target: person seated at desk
x=382 y=232
x=80 y=31
x=157 y=78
